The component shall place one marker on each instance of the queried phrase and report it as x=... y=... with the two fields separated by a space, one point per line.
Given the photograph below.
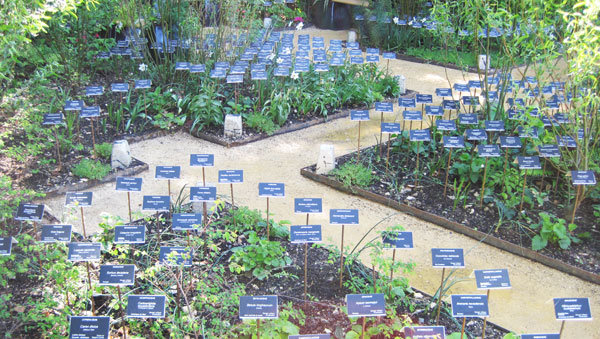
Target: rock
x=483 y=61
x=121 y=154
x=401 y=80
x=326 y=160
x=267 y=22
x=418 y=295
x=197 y=206
x=351 y=36
x=233 y=126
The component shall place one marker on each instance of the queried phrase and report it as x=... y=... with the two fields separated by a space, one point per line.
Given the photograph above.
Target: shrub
x=351 y=174
x=91 y=169
x=103 y=150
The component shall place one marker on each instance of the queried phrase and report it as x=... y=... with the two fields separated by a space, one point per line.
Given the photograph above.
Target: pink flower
x=298 y=18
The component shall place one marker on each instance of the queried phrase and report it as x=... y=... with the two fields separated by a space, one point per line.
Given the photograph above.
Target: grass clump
x=353 y=174
x=91 y=169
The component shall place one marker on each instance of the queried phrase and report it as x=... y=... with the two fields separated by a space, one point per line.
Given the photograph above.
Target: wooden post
x=87 y=266
x=374 y=280
x=268 y=225
x=204 y=209
x=358 y=145
x=305 y=268
x=523 y=191
x=417 y=168
x=576 y=203
x=257 y=328
x=93 y=137
x=485 y=318
x=483 y=183
x=562 y=327
x=462 y=331
x=83 y=223
x=439 y=305
x=364 y=328
x=57 y=148
x=342 y=258
x=232 y=205
x=393 y=261
x=380 y=136
x=169 y=186
x=129 y=205
x=447 y=172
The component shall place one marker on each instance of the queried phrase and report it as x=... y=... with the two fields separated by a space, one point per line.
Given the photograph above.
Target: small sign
x=186 y=221
x=84 y=251
x=94 y=91
x=470 y=305
x=384 y=107
x=572 y=309
x=103 y=55
x=156 y=203
x=343 y=216
x=235 y=79
x=583 y=178
x=310 y=336
x=53 y=119
x=202 y=160
x=510 y=142
x=73 y=105
x=30 y=212
x=488 y=151
x=198 y=68
x=412 y=115
x=218 y=73
x=130 y=234
x=372 y=58
x=308 y=205
x=365 y=305
x=271 y=190
x=461 y=87
x=390 y=127
x=336 y=61
x=258 y=75
x=167 y=172
x=117 y=275
x=237 y=70
x=549 y=151
x=527 y=132
x=425 y=332
x=443 y=92
x=420 y=135
x=398 y=240
x=445 y=125
x=300 y=234
x=357 y=60
x=448 y=257
x=434 y=110
x=566 y=141
x=321 y=68
x=281 y=71
x=359 y=115
x=389 y=55
x=494 y=125
x=319 y=58
x=492 y=279
x=231 y=176
x=175 y=256
x=528 y=162
x=424 y=99
x=476 y=134
x=182 y=66
x=56 y=233
x=453 y=141
x=146 y=306
x=5 y=245
x=355 y=52
x=78 y=199
x=89 y=112
x=451 y=104
x=259 y=307
x=129 y=184
x=408 y=103
x=119 y=87
x=143 y=84
x=474 y=84
x=541 y=336
x=89 y=327
x=373 y=51
x=203 y=193
x=468 y=119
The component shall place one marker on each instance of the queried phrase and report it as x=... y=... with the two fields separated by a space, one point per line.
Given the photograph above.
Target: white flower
x=287 y=50
x=290 y=23
x=294 y=75
x=143 y=67
x=299 y=26
x=271 y=56
x=119 y=24
x=396 y=20
x=279 y=60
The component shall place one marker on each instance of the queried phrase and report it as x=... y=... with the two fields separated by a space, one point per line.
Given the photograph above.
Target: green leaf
x=564 y=243
x=537 y=243
x=352 y=335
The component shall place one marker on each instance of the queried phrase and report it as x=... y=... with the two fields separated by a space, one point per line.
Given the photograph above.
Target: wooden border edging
x=454 y=226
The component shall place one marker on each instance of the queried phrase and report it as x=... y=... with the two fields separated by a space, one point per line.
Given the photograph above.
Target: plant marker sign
x=342 y=217
x=117 y=275
x=56 y=233
x=30 y=212
x=365 y=305
x=5 y=245
x=231 y=177
x=167 y=173
x=486 y=151
x=305 y=234
x=89 y=327
x=425 y=332
x=175 y=256
x=446 y=258
x=541 y=336
x=359 y=115
x=156 y=203
x=84 y=251
x=203 y=193
x=146 y=306
x=451 y=142
x=388 y=128
x=310 y=336
x=186 y=221
x=581 y=178
x=270 y=190
x=129 y=185
x=491 y=279
x=81 y=199
x=470 y=305
x=397 y=240
x=571 y=309
x=54 y=119
x=259 y=307
x=130 y=234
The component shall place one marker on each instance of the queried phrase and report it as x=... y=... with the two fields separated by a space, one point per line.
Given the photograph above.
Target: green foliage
x=91 y=169
x=353 y=174
x=11 y=196
x=553 y=230
x=261 y=123
x=260 y=257
x=103 y=150
x=279 y=328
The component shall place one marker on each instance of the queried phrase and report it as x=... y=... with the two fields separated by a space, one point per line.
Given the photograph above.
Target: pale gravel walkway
x=526 y=308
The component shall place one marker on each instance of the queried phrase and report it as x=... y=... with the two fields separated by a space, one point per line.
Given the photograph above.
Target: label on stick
x=488 y=151
x=156 y=203
x=146 y=306
x=186 y=221
x=89 y=327
x=202 y=160
x=492 y=279
x=129 y=184
x=56 y=233
x=385 y=107
x=453 y=141
x=300 y=234
x=175 y=256
x=425 y=332
x=390 y=127
x=203 y=193
x=365 y=305
x=130 y=234
x=167 y=172
x=310 y=336
x=541 y=336
x=343 y=216
x=398 y=240
x=583 y=177
x=259 y=307
x=84 y=251
x=78 y=199
x=359 y=115
x=30 y=212
x=5 y=245
x=448 y=257
x=572 y=309
x=470 y=305
x=231 y=176
x=308 y=205
x=116 y=275
x=271 y=190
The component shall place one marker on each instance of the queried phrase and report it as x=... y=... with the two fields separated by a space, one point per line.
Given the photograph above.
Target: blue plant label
x=461 y=87
x=424 y=98
x=510 y=142
x=389 y=55
x=203 y=193
x=5 y=245
x=453 y=141
x=235 y=79
x=301 y=68
x=300 y=234
x=281 y=71
x=583 y=178
x=552 y=104
x=390 y=127
x=130 y=234
x=271 y=190
x=355 y=52
x=494 y=125
x=420 y=135
x=175 y=256
x=445 y=125
x=528 y=162
x=491 y=95
x=335 y=48
x=259 y=307
x=258 y=75
x=365 y=305
x=84 y=251
x=244 y=57
x=357 y=60
x=373 y=51
x=53 y=119
x=218 y=73
x=359 y=17
x=398 y=240
x=197 y=68
x=143 y=84
x=519 y=102
x=470 y=101
x=202 y=160
x=407 y=102
x=434 y=110
x=103 y=55
x=182 y=66
x=451 y=104
x=412 y=115
x=343 y=216
x=237 y=70
x=167 y=172
x=385 y=107
x=572 y=309
x=443 y=92
x=549 y=151
x=336 y=61
x=310 y=336
x=318 y=45
x=73 y=105
x=117 y=275
x=231 y=176
x=308 y=205
x=321 y=68
x=119 y=87
x=319 y=58
x=541 y=336
x=156 y=203
x=56 y=233
x=561 y=118
x=492 y=279
x=515 y=114
x=359 y=115
x=470 y=305
x=476 y=134
x=468 y=119
x=259 y=66
x=30 y=212
x=448 y=257
x=488 y=151
x=425 y=332
x=474 y=84
x=89 y=112
x=566 y=141
x=94 y=90
x=129 y=184
x=146 y=306
x=302 y=55
x=186 y=221
x=372 y=58
x=89 y=327
x=78 y=199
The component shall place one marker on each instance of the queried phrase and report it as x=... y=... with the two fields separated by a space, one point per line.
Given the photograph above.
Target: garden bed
x=426 y=202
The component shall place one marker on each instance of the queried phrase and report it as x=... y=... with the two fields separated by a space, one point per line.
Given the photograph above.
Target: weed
x=91 y=169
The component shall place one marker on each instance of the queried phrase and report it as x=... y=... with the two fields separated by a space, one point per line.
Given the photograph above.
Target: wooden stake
x=439 y=305
x=417 y=168
x=257 y=328
x=204 y=209
x=392 y=269
x=483 y=183
x=358 y=145
x=169 y=186
x=374 y=280
x=87 y=266
x=576 y=203
x=83 y=224
x=523 y=191
x=268 y=225
x=57 y=148
x=129 y=204
x=232 y=205
x=364 y=328
x=305 y=268
x=485 y=318
x=462 y=331
x=93 y=136
x=381 y=136
x=447 y=172
x=342 y=258
x=562 y=327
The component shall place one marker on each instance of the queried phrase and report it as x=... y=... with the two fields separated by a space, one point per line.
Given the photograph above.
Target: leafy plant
x=553 y=230
x=260 y=257
x=91 y=169
x=103 y=150
x=353 y=174
x=261 y=123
